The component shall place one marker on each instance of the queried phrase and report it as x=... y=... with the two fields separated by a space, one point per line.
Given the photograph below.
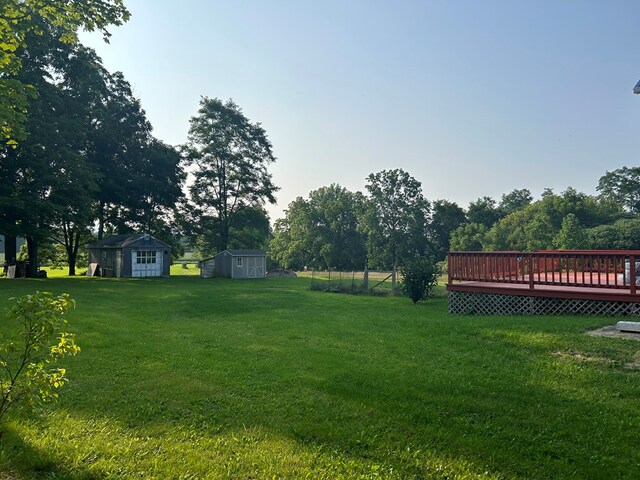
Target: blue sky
x=472 y=98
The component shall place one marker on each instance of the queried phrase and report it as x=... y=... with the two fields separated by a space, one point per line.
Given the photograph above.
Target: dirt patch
x=583 y=358
x=612 y=331
x=281 y=273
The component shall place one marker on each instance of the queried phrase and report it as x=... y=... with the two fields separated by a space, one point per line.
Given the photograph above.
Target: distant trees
x=468 y=237
x=483 y=211
x=537 y=225
x=513 y=201
x=623 y=187
x=229 y=156
x=446 y=218
x=572 y=235
x=321 y=231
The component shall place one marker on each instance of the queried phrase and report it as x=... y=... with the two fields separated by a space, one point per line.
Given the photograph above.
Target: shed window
x=239 y=262
x=146 y=256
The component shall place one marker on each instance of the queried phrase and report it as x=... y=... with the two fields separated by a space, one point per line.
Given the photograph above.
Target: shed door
x=146 y=263
x=255 y=267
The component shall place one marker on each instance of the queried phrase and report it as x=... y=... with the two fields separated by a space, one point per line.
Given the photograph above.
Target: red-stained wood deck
x=547 y=291
x=585 y=275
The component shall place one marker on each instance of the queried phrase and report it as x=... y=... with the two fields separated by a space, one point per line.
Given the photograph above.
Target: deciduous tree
x=395 y=219
x=322 y=231
x=483 y=211
x=622 y=186
x=229 y=156
x=446 y=218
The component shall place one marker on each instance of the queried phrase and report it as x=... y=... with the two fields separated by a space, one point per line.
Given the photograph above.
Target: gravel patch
x=612 y=331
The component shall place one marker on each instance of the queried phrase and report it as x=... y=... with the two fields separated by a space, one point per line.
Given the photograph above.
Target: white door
x=255 y=267
x=146 y=263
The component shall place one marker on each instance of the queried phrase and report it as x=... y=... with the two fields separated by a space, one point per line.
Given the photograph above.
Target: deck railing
x=614 y=269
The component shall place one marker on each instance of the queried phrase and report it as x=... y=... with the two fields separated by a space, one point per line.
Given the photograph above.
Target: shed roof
x=126 y=240
x=239 y=253
x=246 y=253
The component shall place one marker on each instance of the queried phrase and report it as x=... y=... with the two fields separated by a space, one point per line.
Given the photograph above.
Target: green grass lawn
x=186 y=378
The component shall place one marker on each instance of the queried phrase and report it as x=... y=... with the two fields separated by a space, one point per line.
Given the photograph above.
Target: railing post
x=449 y=268
x=530 y=262
x=632 y=274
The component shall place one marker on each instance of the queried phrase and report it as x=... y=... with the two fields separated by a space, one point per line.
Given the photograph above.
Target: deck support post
x=632 y=274
x=530 y=262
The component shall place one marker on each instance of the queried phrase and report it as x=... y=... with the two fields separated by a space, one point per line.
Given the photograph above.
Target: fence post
x=366 y=278
x=632 y=274
x=530 y=262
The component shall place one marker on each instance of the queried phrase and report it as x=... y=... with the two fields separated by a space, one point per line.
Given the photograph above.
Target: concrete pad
x=628 y=327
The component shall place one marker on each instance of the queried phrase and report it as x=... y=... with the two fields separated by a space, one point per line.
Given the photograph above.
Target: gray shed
x=126 y=256
x=235 y=264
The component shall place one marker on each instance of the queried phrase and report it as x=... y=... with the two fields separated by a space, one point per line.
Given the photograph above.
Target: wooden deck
x=548 y=291
x=586 y=277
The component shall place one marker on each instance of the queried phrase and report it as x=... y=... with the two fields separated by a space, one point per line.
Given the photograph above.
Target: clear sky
x=472 y=98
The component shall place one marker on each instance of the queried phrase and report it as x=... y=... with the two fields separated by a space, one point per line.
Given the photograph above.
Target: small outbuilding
x=235 y=264
x=127 y=256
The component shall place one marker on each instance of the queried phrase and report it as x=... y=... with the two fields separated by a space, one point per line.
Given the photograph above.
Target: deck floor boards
x=599 y=289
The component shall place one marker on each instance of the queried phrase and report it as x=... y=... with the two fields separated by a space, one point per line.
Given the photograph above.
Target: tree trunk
x=224 y=235
x=10 y=250
x=72 y=263
x=101 y=220
x=71 y=245
x=32 y=250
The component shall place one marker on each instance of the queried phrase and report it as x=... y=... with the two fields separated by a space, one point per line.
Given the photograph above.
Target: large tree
x=622 y=186
x=446 y=218
x=88 y=154
x=483 y=211
x=513 y=201
x=229 y=156
x=321 y=231
x=19 y=18
x=395 y=219
x=48 y=181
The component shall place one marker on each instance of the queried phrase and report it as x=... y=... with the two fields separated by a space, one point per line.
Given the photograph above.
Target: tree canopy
x=623 y=187
x=321 y=232
x=395 y=219
x=88 y=153
x=229 y=156
x=19 y=18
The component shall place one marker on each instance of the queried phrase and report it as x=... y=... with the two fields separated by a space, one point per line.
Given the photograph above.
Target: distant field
x=187 y=378
x=175 y=270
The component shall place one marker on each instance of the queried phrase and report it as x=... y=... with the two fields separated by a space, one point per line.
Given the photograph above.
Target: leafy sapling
x=28 y=359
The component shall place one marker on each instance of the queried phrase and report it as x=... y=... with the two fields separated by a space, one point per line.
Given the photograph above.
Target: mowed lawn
x=186 y=378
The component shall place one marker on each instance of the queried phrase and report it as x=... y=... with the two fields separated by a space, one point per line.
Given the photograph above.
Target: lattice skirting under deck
x=492 y=304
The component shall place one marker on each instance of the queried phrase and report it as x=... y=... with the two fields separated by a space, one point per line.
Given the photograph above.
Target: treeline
x=393 y=222
x=87 y=163
x=79 y=160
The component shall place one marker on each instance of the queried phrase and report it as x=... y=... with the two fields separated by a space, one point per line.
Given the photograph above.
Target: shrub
x=28 y=371
x=419 y=277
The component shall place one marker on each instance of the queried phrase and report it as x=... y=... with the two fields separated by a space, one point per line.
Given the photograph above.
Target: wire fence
x=369 y=282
